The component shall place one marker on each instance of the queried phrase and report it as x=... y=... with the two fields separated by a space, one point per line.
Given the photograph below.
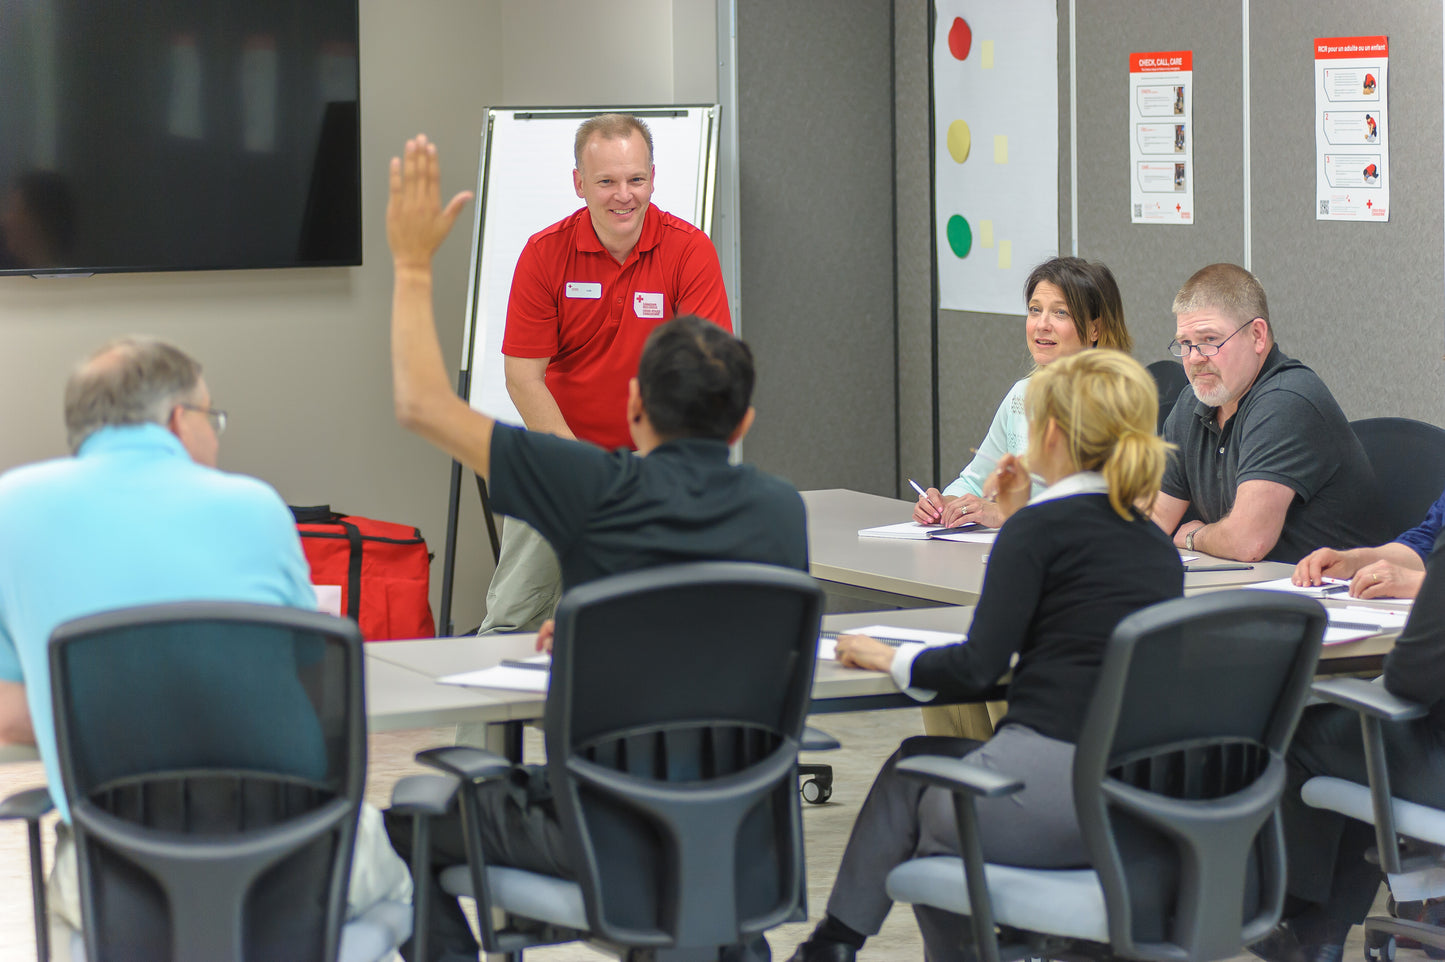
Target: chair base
x=818 y=785
x=1381 y=931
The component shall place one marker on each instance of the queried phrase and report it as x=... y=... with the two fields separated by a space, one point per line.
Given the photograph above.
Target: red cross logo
x=1177 y=208
x=1369 y=203
x=639 y=298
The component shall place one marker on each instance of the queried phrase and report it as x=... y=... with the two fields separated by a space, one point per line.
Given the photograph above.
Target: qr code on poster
x=1138 y=210
x=1324 y=207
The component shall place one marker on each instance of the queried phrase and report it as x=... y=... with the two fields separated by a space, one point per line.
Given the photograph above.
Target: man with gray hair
x=1264 y=454
x=139 y=515
x=586 y=293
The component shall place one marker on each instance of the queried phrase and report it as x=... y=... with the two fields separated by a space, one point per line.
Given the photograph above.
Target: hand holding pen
x=930 y=506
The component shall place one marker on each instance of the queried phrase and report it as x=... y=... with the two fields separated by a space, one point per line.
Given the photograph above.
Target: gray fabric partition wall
x=1364 y=304
x=815 y=132
x=836 y=274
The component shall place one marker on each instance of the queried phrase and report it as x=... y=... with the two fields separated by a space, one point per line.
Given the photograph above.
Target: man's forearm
x=1227 y=538
x=538 y=408
x=425 y=401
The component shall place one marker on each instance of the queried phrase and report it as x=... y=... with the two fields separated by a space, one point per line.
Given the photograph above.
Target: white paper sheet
x=969 y=537
x=908 y=530
x=509 y=677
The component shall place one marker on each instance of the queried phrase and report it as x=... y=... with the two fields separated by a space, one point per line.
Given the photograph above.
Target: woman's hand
x=931 y=507
x=970 y=508
x=860 y=651
x=1009 y=485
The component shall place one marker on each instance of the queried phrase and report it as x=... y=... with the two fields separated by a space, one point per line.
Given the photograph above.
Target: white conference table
x=402 y=691
x=900 y=572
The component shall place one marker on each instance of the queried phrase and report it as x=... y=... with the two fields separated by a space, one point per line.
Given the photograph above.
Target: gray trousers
x=901 y=819
x=527 y=583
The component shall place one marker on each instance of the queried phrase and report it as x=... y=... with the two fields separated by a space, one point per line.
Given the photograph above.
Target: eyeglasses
x=1180 y=349
x=217 y=418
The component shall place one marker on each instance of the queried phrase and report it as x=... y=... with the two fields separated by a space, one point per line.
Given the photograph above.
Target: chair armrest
x=815 y=740
x=957 y=775
x=30 y=804
x=465 y=762
x=424 y=794
x=1361 y=696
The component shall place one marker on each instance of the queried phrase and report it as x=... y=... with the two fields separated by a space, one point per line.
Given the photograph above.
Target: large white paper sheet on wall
x=996 y=157
x=1352 y=135
x=1161 y=137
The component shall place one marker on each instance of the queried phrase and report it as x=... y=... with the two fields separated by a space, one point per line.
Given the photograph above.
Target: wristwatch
x=1189 y=540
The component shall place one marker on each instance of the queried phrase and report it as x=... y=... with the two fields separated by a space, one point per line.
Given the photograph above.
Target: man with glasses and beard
x=1265 y=456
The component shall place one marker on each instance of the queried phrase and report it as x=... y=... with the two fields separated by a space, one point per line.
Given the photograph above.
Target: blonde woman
x=1069 y=563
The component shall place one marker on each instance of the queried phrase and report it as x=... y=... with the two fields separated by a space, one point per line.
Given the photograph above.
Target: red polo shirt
x=573 y=303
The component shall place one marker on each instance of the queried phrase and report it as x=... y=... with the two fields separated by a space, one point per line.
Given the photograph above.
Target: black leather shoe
x=814 y=950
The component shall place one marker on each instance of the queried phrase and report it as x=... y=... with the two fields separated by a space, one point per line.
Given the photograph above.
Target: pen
x=921 y=493
x=1232 y=566
x=1334 y=589
x=530 y=665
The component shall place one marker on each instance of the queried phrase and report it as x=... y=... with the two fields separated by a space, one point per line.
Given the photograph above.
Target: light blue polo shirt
x=130 y=520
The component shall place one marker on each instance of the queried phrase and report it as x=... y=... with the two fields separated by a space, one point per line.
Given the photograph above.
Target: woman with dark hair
x=1071 y=305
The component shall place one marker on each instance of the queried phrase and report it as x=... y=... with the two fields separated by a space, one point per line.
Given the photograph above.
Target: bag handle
x=316 y=514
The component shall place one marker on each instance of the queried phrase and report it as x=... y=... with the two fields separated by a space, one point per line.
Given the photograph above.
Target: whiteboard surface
x=524 y=185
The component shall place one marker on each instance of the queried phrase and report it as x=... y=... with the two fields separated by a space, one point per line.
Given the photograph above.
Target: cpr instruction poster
x=1352 y=137
x=996 y=154
x=1161 y=137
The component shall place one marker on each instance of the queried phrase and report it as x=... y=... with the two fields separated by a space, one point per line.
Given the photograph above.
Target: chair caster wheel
x=815 y=793
x=1380 y=947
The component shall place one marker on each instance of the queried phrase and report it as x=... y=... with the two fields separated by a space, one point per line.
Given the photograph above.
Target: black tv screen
x=178 y=135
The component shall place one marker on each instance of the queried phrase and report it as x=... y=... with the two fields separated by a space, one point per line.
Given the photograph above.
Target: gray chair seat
x=1075 y=897
x=1353 y=799
x=532 y=895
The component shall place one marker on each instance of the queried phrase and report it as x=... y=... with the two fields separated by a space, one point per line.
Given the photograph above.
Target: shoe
x=1283 y=945
x=815 y=950
x=1431 y=911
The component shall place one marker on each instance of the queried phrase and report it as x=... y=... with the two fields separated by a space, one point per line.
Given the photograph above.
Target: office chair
x=1410 y=838
x=1177 y=780
x=214 y=755
x=1170 y=379
x=1409 y=461
x=672 y=727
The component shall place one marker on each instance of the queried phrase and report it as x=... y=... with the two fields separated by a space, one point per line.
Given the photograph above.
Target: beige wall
x=300 y=357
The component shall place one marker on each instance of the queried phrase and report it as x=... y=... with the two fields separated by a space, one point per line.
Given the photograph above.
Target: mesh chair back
x=214 y=758
x=1409 y=461
x=677 y=700
x=1180 y=768
x=1170 y=380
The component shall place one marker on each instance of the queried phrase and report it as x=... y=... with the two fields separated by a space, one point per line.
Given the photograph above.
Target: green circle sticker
x=960 y=236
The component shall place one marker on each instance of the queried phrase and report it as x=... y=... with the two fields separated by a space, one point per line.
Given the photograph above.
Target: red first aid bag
x=383 y=570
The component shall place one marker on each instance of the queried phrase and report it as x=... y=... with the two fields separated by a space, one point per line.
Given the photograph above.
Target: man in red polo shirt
x=586 y=293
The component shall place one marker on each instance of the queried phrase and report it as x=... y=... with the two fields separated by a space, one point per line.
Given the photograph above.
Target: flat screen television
x=170 y=135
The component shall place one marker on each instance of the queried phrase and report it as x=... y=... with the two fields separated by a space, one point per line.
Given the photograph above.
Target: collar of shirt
x=117 y=438
x=650 y=237
x=1274 y=359
x=1084 y=482
x=700 y=448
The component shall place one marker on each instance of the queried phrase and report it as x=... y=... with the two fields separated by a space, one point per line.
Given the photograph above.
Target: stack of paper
x=910 y=530
x=891 y=635
x=1353 y=622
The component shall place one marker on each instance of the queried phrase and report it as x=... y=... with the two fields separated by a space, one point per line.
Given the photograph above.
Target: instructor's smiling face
x=615 y=179
x=1050 y=328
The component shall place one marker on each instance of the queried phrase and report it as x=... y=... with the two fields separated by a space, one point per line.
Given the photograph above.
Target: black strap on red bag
x=322 y=514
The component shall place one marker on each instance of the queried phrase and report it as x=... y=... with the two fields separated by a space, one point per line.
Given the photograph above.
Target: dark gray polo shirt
x=1289 y=430
x=609 y=512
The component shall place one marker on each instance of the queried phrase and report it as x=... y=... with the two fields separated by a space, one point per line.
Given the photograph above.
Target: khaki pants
x=527 y=584
x=975 y=720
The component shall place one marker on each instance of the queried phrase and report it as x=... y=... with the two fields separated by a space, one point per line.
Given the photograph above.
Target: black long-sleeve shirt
x=1060 y=576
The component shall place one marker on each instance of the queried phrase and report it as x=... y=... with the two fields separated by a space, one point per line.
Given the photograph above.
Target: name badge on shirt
x=589 y=291
x=647 y=305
